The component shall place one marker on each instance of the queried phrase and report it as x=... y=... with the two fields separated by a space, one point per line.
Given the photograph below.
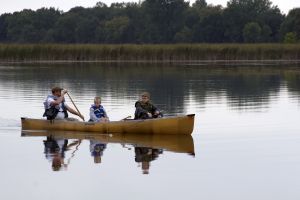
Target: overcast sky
x=9 y=6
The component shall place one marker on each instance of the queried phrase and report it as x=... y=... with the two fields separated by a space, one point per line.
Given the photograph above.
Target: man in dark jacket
x=145 y=109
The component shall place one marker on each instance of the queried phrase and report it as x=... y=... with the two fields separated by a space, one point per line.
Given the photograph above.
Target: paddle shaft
x=126 y=118
x=74 y=104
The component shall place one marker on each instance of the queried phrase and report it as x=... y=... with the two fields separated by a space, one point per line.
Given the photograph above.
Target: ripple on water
x=9 y=123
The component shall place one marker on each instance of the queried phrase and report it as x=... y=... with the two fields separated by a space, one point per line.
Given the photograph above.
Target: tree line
x=155 y=22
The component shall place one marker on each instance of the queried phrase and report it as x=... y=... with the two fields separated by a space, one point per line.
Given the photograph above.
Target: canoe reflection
x=147 y=148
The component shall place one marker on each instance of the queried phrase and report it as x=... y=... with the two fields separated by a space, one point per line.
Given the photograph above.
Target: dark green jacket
x=142 y=110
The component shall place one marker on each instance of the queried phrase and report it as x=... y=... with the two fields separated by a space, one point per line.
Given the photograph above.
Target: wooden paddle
x=126 y=118
x=74 y=104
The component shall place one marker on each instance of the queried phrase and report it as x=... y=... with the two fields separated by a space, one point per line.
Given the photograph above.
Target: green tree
x=136 y=22
x=291 y=24
x=3 y=27
x=64 y=29
x=115 y=29
x=266 y=34
x=240 y=12
x=252 y=32
x=210 y=26
x=163 y=19
x=184 y=36
x=31 y=26
x=100 y=34
x=200 y=4
x=153 y=21
x=85 y=30
x=270 y=22
x=100 y=4
x=290 y=37
x=15 y=23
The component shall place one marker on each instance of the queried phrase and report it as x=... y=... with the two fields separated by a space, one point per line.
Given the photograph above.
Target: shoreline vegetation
x=154 y=22
x=11 y=53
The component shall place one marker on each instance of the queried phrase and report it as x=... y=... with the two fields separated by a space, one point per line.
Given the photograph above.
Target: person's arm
x=155 y=110
x=138 y=106
x=105 y=113
x=93 y=116
x=59 y=99
x=139 y=110
x=74 y=112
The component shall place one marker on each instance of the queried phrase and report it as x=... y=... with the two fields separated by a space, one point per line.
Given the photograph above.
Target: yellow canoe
x=182 y=125
x=174 y=143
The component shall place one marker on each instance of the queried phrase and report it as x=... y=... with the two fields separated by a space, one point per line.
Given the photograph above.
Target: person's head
x=145 y=97
x=56 y=163
x=145 y=167
x=97 y=101
x=96 y=153
x=56 y=91
x=97 y=159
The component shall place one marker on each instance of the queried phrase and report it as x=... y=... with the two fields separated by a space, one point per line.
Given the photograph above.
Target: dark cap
x=56 y=89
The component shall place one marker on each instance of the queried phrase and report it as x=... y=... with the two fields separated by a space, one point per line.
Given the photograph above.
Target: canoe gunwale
x=182 y=124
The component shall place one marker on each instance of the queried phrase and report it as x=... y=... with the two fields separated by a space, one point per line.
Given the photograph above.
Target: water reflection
x=97 y=148
x=55 y=148
x=173 y=87
x=144 y=155
x=147 y=148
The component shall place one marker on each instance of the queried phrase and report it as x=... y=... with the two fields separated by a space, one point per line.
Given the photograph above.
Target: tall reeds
x=149 y=53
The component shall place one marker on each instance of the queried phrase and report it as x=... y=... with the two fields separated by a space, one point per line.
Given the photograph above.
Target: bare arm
x=59 y=99
x=74 y=112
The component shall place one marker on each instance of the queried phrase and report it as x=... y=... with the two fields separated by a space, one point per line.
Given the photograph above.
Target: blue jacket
x=96 y=113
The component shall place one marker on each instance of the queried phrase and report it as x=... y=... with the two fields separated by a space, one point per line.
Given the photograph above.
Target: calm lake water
x=246 y=137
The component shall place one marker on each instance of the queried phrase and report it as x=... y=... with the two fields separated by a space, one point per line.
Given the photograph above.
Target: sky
x=9 y=6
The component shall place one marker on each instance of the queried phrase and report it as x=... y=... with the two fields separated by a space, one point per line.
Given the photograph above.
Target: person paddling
x=55 y=106
x=145 y=109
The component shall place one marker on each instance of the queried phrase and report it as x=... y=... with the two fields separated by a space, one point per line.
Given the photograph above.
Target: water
x=246 y=137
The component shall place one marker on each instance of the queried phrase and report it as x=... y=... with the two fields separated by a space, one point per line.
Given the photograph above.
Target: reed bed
x=148 y=53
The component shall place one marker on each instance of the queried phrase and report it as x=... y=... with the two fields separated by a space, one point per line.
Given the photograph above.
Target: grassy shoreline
x=149 y=53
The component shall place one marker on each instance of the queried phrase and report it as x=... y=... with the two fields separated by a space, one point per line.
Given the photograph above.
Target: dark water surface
x=246 y=138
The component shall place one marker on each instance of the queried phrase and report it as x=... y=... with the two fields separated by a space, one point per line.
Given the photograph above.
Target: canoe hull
x=174 y=143
x=169 y=125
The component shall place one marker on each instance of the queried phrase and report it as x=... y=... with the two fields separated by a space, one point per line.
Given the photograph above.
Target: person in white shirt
x=55 y=106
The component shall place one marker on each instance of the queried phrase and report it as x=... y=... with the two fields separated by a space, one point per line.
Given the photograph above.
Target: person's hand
x=149 y=115
x=157 y=112
x=104 y=119
x=64 y=91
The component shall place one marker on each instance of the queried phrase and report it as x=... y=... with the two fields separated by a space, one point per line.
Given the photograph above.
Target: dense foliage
x=154 y=21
